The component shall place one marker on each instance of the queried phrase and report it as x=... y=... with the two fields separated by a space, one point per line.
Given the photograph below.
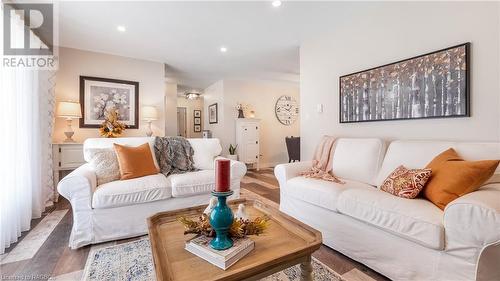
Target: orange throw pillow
x=135 y=162
x=453 y=177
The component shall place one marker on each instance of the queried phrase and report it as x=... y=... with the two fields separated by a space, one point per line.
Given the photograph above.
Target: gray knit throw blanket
x=174 y=155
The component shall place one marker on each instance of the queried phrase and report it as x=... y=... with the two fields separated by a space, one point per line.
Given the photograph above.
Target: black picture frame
x=197 y=128
x=213 y=114
x=196 y=113
x=466 y=103
x=84 y=96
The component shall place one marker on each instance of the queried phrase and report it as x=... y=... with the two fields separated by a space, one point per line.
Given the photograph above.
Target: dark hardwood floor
x=55 y=260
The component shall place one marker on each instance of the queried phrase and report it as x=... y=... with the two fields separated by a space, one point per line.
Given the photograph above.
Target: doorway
x=182 y=122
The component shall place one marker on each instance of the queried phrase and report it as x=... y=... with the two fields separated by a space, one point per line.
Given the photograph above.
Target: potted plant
x=232 y=152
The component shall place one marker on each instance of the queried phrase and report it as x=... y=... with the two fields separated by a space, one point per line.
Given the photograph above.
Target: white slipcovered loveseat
x=119 y=209
x=404 y=239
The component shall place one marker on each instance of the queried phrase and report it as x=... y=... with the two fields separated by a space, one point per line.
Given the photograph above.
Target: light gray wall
x=374 y=34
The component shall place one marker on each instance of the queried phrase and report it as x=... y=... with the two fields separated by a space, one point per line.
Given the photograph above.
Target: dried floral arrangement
x=239 y=229
x=111 y=127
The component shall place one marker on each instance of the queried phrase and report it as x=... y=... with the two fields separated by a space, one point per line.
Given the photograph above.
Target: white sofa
x=404 y=239
x=119 y=209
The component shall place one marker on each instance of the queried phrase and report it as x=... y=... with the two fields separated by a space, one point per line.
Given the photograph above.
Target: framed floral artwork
x=99 y=96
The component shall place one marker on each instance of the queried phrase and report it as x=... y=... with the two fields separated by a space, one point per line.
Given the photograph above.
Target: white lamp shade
x=149 y=113
x=68 y=109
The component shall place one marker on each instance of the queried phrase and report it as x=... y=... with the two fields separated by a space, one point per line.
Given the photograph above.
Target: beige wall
x=261 y=97
x=190 y=106
x=74 y=63
x=374 y=34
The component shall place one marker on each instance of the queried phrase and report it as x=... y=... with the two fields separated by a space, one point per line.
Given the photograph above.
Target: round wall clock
x=287 y=110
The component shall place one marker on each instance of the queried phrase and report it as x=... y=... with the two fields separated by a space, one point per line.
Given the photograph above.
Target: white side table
x=66 y=157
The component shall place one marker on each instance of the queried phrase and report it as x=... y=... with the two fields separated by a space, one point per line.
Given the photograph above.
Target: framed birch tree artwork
x=434 y=85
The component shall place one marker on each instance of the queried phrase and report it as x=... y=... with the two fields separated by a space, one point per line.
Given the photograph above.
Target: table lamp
x=149 y=114
x=69 y=110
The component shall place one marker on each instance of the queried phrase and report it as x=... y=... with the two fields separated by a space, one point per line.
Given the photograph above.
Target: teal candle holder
x=221 y=219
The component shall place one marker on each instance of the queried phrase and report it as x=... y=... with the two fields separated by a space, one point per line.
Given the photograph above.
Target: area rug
x=133 y=261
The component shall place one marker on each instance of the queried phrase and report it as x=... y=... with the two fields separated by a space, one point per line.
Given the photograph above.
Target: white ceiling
x=262 y=41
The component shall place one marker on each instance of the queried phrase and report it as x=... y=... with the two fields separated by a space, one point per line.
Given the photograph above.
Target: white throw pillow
x=105 y=164
x=205 y=151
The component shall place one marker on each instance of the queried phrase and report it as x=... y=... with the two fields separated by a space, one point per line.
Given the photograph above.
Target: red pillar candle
x=222 y=175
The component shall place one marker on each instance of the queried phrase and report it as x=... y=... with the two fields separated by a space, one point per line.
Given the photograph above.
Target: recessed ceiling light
x=121 y=28
x=276 y=3
x=223 y=49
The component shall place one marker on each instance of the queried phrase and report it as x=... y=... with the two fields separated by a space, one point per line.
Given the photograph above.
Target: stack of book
x=200 y=246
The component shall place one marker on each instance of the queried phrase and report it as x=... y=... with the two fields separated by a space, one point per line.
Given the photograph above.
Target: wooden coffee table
x=285 y=243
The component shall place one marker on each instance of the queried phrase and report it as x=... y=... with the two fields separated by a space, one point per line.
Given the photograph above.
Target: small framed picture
x=212 y=113
x=197 y=113
x=197 y=121
x=197 y=128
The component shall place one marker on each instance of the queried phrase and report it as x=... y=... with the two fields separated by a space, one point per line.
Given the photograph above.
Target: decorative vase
x=240 y=113
x=221 y=219
x=232 y=157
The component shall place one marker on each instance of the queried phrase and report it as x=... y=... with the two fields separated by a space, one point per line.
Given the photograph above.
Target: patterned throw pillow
x=105 y=164
x=406 y=183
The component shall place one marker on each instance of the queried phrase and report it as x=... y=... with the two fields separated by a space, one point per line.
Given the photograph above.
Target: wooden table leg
x=306 y=270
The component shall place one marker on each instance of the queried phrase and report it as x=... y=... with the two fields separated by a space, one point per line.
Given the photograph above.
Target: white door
x=181 y=122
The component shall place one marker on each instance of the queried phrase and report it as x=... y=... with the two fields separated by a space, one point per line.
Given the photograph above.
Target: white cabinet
x=248 y=140
x=66 y=157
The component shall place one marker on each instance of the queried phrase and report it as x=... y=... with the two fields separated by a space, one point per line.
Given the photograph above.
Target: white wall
x=190 y=106
x=373 y=34
x=215 y=94
x=261 y=97
x=74 y=63
x=170 y=109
